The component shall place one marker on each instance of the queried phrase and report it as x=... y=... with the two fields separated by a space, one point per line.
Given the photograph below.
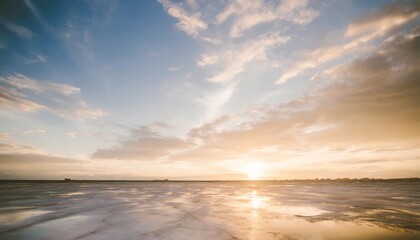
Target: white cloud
x=71 y=135
x=189 y=23
x=36 y=131
x=208 y=59
x=173 y=69
x=304 y=16
x=250 y=13
x=318 y=128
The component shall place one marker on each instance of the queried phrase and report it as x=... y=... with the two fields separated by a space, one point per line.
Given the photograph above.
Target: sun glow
x=254 y=170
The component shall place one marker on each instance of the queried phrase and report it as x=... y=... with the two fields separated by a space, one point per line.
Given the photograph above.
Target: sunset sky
x=209 y=89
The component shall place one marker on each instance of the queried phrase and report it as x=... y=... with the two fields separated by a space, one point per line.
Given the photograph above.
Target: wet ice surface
x=210 y=210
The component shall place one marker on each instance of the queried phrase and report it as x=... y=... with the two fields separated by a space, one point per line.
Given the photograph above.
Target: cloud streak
x=188 y=23
x=21 y=31
x=145 y=143
x=22 y=82
x=248 y=14
x=10 y=98
x=235 y=59
x=28 y=95
x=375 y=25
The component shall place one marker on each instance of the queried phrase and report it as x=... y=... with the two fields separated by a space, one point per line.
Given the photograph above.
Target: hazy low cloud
x=33 y=160
x=5 y=136
x=25 y=94
x=17 y=149
x=144 y=143
x=38 y=166
x=27 y=162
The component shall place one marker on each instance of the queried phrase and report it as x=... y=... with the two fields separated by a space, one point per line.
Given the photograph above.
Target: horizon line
x=208 y=180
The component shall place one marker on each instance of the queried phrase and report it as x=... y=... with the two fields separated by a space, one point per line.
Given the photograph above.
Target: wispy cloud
x=71 y=135
x=213 y=101
x=37 y=59
x=60 y=99
x=37 y=14
x=357 y=36
x=326 y=123
x=10 y=98
x=35 y=131
x=384 y=19
x=22 y=82
x=18 y=29
x=234 y=59
x=230 y=63
x=189 y=23
x=76 y=109
x=173 y=69
x=17 y=149
x=248 y=14
x=332 y=116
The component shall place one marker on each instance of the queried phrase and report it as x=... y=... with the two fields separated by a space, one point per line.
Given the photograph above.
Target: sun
x=254 y=170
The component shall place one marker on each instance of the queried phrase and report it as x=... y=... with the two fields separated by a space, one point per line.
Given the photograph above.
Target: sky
x=217 y=90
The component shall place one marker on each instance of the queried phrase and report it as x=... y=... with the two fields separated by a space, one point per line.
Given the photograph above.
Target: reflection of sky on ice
x=21 y=215
x=209 y=211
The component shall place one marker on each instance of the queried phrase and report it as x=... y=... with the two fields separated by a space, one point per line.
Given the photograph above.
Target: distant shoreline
x=239 y=181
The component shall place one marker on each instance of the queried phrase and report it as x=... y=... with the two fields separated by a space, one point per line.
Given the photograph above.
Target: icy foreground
x=210 y=210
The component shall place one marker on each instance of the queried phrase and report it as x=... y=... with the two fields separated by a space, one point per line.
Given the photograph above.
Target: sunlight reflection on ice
x=256 y=201
x=209 y=211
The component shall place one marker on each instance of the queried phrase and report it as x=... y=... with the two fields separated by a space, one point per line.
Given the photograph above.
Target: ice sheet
x=210 y=210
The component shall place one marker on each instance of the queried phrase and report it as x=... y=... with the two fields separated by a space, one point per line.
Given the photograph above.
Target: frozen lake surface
x=210 y=210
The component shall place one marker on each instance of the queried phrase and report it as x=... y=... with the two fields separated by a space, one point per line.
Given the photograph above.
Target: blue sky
x=185 y=89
